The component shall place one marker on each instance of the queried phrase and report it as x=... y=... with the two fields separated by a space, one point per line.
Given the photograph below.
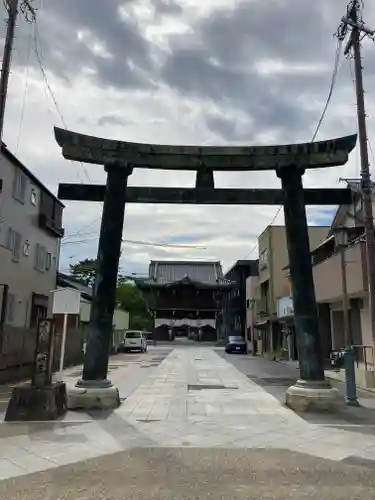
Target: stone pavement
x=193 y=399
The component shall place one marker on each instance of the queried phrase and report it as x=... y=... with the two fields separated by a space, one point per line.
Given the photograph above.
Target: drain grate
x=274 y=381
x=205 y=387
x=147 y=421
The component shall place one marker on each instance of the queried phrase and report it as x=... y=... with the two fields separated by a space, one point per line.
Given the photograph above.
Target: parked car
x=236 y=343
x=134 y=340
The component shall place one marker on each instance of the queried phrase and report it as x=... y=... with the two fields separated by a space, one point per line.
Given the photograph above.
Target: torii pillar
x=312 y=391
x=94 y=390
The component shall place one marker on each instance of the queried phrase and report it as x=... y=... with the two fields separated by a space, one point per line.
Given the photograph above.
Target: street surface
x=193 y=423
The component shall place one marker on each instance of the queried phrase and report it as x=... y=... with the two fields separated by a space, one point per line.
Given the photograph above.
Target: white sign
x=66 y=301
x=285 y=307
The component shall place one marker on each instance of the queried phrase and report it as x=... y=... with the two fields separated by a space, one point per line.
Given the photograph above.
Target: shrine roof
x=166 y=273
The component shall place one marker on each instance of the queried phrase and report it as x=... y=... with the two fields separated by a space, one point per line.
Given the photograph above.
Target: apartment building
x=327 y=272
x=30 y=235
x=273 y=285
x=235 y=304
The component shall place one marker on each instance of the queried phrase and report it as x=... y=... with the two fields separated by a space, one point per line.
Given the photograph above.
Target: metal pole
x=345 y=302
x=5 y=68
x=365 y=170
x=349 y=354
x=62 y=347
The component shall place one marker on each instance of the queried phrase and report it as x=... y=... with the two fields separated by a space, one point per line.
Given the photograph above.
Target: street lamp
x=341 y=240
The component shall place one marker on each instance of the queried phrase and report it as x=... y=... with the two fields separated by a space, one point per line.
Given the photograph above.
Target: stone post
x=94 y=390
x=312 y=391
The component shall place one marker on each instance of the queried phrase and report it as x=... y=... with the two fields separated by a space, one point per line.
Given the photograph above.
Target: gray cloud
x=218 y=61
x=128 y=64
x=113 y=120
x=169 y=7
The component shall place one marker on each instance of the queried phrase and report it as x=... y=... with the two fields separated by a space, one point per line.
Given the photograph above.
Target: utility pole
x=30 y=15
x=354 y=21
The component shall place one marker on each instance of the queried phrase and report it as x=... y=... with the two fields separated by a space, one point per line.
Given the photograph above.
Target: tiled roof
x=203 y=272
x=66 y=280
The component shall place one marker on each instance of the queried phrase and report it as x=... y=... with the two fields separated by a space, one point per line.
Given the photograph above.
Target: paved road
x=194 y=427
x=276 y=377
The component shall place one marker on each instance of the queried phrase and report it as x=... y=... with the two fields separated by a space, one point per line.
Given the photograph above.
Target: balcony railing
x=50 y=225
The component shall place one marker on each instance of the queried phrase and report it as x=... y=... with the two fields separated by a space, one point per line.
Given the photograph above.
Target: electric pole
x=354 y=21
x=30 y=15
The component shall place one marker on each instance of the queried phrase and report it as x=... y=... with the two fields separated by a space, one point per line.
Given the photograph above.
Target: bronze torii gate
x=289 y=161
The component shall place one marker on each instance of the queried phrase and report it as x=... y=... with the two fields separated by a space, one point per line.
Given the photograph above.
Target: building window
x=40 y=257
x=48 y=261
x=263 y=259
x=11 y=304
x=33 y=197
x=26 y=248
x=19 y=186
x=14 y=244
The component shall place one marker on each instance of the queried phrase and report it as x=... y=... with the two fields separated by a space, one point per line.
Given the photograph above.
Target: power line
x=49 y=88
x=322 y=116
x=144 y=243
x=331 y=88
x=24 y=94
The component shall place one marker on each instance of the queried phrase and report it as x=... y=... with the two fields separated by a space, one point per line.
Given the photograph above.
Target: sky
x=221 y=72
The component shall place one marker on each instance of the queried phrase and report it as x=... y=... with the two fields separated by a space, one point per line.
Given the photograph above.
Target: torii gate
x=289 y=162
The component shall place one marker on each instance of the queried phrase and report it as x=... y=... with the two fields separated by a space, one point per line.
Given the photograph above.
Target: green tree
x=131 y=299
x=84 y=270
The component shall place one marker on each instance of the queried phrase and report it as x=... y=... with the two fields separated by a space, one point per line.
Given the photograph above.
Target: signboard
x=66 y=301
x=285 y=307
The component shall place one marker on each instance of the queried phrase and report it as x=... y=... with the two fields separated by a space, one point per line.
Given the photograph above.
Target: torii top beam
x=88 y=149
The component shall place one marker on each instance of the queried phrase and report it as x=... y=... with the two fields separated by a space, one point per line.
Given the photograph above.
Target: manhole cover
x=205 y=387
x=276 y=381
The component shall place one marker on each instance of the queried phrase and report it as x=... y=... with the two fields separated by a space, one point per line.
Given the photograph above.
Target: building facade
x=185 y=298
x=328 y=274
x=235 y=305
x=30 y=235
x=274 y=285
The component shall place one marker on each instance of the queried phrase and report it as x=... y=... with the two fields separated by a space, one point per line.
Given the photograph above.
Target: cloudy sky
x=180 y=72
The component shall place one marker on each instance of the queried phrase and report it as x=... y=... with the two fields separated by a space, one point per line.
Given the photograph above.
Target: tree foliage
x=131 y=299
x=128 y=295
x=84 y=271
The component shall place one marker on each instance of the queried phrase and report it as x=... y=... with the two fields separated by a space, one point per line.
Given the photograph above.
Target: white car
x=134 y=340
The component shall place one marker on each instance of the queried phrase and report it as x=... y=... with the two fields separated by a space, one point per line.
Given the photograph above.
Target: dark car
x=236 y=343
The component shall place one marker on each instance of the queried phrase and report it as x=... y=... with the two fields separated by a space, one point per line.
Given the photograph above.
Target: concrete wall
x=327 y=275
x=121 y=319
x=366 y=323
x=252 y=294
